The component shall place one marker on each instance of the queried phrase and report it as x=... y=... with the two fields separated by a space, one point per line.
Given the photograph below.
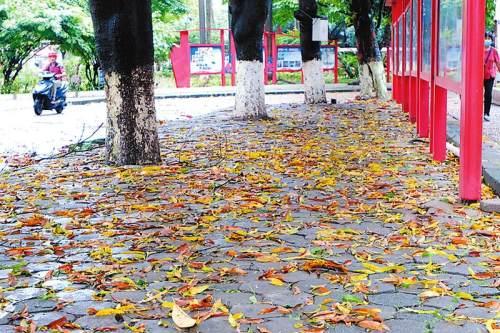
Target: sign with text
x=206 y=59
x=320 y=30
x=290 y=58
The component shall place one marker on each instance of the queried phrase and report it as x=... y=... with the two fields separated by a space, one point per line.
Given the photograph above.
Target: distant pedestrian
x=491 y=64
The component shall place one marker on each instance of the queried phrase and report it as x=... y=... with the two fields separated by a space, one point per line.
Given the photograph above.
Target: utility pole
x=209 y=14
x=203 y=21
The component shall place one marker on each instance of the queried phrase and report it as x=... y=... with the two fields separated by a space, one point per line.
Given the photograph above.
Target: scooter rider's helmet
x=53 y=56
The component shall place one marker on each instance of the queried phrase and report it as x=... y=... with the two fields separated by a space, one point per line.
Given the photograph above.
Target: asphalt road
x=25 y=133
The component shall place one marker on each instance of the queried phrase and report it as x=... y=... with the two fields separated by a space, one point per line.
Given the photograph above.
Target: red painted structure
x=422 y=87
x=181 y=58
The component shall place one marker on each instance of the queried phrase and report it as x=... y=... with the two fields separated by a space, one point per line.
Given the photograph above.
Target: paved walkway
x=324 y=219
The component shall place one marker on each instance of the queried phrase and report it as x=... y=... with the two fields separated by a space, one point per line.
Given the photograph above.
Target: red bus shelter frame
x=424 y=94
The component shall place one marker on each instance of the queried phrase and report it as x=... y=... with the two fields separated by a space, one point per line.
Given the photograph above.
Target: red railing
x=184 y=55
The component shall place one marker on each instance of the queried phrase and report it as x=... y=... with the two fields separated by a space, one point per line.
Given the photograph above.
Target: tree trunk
x=124 y=40
x=247 y=24
x=371 y=67
x=312 y=66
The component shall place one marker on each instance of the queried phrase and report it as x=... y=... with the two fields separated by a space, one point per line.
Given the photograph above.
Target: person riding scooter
x=57 y=69
x=50 y=92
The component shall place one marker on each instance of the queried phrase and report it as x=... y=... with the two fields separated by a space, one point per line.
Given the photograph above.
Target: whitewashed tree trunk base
x=130 y=100
x=380 y=86
x=372 y=81
x=314 y=82
x=250 y=93
x=365 y=82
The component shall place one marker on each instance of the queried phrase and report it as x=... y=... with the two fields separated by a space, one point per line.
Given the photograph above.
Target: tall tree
x=124 y=40
x=371 y=72
x=312 y=66
x=247 y=24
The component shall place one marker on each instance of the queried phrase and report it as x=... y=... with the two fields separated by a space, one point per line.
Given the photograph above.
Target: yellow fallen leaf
x=269 y=258
x=195 y=290
x=119 y=310
x=464 y=295
x=429 y=294
x=276 y=282
x=233 y=319
x=181 y=318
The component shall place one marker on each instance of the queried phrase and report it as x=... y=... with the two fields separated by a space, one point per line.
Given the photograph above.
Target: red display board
x=189 y=59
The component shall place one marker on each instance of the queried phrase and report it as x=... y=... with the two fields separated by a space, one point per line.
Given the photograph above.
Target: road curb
x=228 y=93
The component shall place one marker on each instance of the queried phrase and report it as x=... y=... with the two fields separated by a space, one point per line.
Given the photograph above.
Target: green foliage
x=29 y=26
x=349 y=65
x=490 y=15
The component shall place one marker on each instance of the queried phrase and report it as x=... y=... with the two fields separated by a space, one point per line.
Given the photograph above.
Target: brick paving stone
x=477 y=312
x=397 y=299
x=91 y=322
x=45 y=318
x=408 y=326
x=82 y=308
x=445 y=327
x=24 y=294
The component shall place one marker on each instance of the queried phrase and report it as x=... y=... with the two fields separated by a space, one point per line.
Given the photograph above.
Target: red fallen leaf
x=459 y=241
x=373 y=325
x=475 y=254
x=197 y=265
x=183 y=249
x=316 y=264
x=120 y=285
x=233 y=271
x=35 y=221
x=67 y=268
x=20 y=251
x=491 y=305
x=58 y=323
x=268 y=310
x=79 y=196
x=284 y=311
x=106 y=329
x=484 y=275
x=232 y=253
x=313 y=330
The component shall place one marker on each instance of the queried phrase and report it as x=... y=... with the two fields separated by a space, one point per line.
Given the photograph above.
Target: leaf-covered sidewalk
x=325 y=219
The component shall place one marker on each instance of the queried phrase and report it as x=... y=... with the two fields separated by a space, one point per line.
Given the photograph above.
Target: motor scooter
x=42 y=95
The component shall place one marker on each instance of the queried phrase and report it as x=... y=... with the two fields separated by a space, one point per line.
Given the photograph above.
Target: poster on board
x=328 y=58
x=289 y=59
x=206 y=59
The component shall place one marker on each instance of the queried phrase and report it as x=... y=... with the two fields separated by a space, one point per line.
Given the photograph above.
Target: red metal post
x=439 y=130
x=274 y=52
x=434 y=70
x=404 y=84
x=233 y=59
x=423 y=128
x=266 y=57
x=336 y=69
x=471 y=117
x=223 y=55
x=411 y=78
